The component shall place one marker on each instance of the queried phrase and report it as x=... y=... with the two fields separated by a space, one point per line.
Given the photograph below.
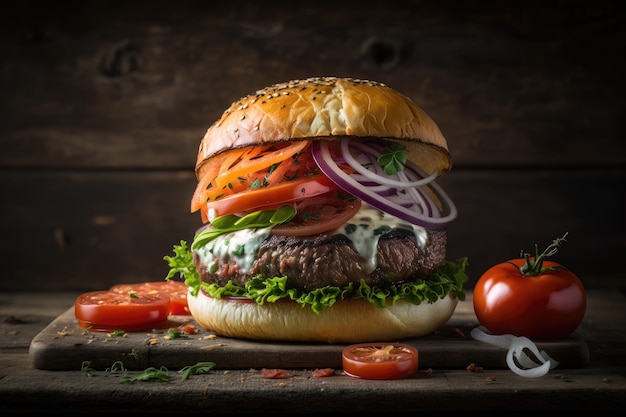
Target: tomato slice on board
x=176 y=290
x=108 y=311
x=380 y=360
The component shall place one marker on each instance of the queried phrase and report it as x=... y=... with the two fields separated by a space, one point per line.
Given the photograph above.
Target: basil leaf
x=231 y=223
x=283 y=215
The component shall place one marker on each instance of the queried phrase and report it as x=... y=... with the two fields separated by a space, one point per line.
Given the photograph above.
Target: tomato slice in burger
x=108 y=311
x=320 y=214
x=380 y=360
x=246 y=179
x=259 y=198
x=176 y=290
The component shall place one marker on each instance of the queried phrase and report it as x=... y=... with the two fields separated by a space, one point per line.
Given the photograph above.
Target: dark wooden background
x=103 y=105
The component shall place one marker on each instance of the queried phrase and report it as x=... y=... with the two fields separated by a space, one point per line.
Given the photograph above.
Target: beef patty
x=315 y=261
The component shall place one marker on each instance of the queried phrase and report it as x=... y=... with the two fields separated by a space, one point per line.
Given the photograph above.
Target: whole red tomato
x=531 y=297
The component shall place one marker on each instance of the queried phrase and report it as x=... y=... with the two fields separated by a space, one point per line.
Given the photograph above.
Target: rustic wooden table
x=600 y=385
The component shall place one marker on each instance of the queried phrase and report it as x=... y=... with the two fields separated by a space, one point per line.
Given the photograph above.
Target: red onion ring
x=404 y=195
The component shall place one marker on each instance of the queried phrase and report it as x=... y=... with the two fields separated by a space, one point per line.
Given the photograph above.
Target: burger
x=321 y=218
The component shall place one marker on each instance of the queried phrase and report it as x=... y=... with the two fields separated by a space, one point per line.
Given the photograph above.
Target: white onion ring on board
x=516 y=358
x=406 y=195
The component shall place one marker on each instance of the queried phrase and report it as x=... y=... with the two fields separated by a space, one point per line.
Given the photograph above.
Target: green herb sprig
x=149 y=374
x=117 y=366
x=198 y=368
x=86 y=368
x=393 y=159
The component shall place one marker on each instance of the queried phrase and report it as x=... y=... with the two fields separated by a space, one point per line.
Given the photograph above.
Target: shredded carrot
x=231 y=158
x=210 y=171
x=279 y=171
x=198 y=198
x=254 y=151
x=248 y=165
x=235 y=170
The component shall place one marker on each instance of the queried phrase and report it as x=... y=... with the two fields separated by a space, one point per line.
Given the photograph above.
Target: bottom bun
x=347 y=321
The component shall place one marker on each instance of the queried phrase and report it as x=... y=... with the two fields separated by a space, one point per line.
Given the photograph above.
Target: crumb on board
x=473 y=368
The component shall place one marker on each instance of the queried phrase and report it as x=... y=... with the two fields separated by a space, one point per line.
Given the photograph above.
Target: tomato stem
x=533 y=267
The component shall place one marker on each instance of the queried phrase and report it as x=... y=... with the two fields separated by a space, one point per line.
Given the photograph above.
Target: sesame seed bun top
x=327 y=108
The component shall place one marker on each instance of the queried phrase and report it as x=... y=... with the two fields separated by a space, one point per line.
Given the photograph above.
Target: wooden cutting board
x=63 y=345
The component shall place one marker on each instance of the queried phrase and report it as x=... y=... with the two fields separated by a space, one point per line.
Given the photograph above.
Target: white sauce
x=369 y=224
x=240 y=245
x=364 y=230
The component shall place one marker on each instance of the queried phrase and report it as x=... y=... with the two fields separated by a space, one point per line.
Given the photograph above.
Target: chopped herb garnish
x=176 y=334
x=381 y=230
x=134 y=354
x=241 y=249
x=310 y=216
x=345 y=197
x=117 y=366
x=350 y=228
x=86 y=367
